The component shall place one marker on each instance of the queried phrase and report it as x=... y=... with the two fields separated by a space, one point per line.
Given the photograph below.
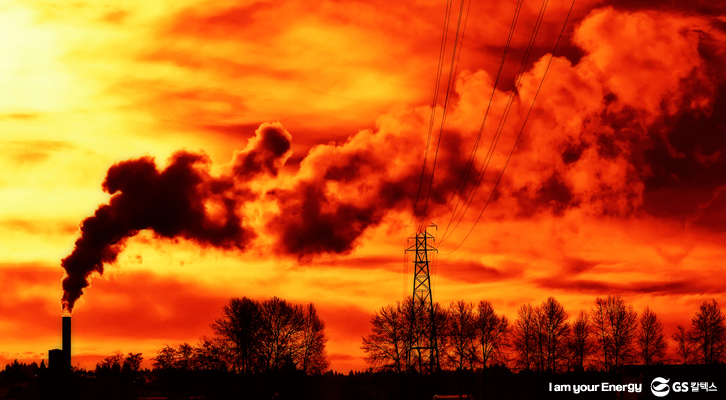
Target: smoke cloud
x=636 y=120
x=181 y=201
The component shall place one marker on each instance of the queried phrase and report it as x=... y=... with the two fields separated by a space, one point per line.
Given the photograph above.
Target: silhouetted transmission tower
x=424 y=342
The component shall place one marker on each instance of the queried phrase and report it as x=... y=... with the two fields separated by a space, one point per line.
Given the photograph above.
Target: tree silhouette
x=185 y=357
x=684 y=345
x=132 y=362
x=581 y=343
x=118 y=376
x=554 y=334
x=270 y=336
x=525 y=337
x=210 y=354
x=165 y=358
x=652 y=344
x=708 y=333
x=540 y=336
x=281 y=322
x=16 y=371
x=460 y=334
x=492 y=332
x=419 y=323
x=388 y=345
x=312 y=357
x=238 y=330
x=615 y=327
x=111 y=363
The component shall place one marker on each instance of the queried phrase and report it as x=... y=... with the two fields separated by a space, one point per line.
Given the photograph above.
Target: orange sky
x=616 y=186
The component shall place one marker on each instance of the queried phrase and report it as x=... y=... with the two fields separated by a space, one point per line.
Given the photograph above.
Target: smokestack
x=67 y=341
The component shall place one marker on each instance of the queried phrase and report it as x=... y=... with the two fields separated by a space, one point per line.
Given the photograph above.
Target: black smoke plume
x=173 y=203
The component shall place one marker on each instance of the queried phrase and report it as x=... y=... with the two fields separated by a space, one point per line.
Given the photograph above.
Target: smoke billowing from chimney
x=173 y=203
x=338 y=193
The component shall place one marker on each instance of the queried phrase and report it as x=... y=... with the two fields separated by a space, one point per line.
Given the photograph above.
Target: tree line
x=258 y=349
x=542 y=338
x=256 y=346
x=253 y=336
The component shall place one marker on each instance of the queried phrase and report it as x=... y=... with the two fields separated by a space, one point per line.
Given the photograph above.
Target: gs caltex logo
x=660 y=387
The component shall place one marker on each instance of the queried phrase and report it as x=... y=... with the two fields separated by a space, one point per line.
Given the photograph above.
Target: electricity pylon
x=423 y=339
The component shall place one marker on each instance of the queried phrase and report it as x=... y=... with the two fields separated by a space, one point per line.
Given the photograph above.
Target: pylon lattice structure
x=423 y=339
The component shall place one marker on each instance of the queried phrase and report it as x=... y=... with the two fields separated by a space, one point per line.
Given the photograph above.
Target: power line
x=405 y=269
x=463 y=32
x=439 y=68
x=502 y=121
x=442 y=50
x=470 y=162
x=523 y=125
x=456 y=69
x=443 y=117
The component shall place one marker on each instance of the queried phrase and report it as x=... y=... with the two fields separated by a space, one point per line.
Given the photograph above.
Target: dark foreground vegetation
x=276 y=350
x=496 y=382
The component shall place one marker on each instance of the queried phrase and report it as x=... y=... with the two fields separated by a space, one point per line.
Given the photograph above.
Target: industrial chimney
x=59 y=360
x=67 y=341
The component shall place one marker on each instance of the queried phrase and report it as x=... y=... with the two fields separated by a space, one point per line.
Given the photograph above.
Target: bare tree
x=387 y=347
x=271 y=335
x=460 y=335
x=526 y=337
x=684 y=345
x=615 y=329
x=421 y=330
x=554 y=333
x=652 y=344
x=603 y=346
x=395 y=328
x=312 y=356
x=581 y=344
x=493 y=332
x=239 y=330
x=420 y=360
x=708 y=333
x=282 y=323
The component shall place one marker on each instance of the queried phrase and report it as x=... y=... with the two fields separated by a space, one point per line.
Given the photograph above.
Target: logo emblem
x=660 y=387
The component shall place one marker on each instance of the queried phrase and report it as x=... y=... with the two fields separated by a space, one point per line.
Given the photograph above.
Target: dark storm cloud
x=687 y=167
x=553 y=195
x=701 y=7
